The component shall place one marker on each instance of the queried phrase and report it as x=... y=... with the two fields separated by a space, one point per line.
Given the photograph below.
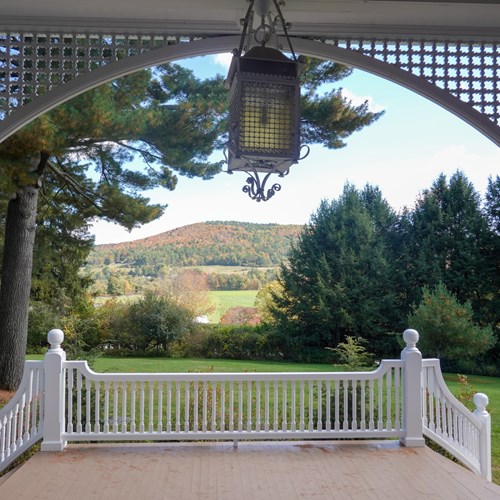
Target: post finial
x=411 y=337
x=481 y=401
x=55 y=338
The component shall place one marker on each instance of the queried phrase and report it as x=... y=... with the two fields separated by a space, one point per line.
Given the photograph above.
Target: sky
x=402 y=153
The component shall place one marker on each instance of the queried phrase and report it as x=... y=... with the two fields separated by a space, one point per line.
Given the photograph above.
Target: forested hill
x=203 y=244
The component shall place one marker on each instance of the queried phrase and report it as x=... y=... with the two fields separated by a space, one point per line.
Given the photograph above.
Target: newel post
x=481 y=401
x=412 y=388
x=53 y=422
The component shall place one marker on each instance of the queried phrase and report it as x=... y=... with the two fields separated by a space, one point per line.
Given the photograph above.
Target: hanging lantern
x=264 y=113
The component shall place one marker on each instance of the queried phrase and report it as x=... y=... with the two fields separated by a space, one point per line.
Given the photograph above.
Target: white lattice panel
x=469 y=71
x=33 y=63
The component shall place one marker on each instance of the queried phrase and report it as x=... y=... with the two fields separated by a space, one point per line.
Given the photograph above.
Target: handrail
x=449 y=423
x=21 y=420
x=163 y=406
x=403 y=398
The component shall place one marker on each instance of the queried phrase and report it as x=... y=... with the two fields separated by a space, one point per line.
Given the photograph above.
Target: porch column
x=53 y=405
x=412 y=388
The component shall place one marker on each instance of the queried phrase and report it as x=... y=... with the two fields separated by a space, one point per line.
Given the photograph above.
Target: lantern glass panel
x=267 y=118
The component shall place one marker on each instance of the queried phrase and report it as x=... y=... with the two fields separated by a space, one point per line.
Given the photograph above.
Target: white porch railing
x=21 y=420
x=402 y=399
x=465 y=435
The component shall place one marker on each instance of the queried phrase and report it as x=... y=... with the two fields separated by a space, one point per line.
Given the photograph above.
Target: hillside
x=202 y=244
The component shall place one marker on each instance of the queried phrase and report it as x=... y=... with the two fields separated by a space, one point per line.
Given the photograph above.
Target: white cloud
x=357 y=100
x=223 y=60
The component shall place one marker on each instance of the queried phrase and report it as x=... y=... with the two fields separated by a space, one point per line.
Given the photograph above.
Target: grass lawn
x=225 y=299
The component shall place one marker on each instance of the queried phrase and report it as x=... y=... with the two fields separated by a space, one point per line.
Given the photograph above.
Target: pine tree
x=337 y=282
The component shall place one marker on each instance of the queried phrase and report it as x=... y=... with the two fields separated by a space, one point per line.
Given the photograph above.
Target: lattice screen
x=32 y=63
x=469 y=71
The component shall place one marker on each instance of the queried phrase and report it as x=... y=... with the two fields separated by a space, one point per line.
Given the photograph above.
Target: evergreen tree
x=337 y=282
x=448 y=238
x=447 y=328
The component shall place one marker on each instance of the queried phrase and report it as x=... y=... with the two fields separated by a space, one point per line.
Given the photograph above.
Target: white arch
x=169 y=53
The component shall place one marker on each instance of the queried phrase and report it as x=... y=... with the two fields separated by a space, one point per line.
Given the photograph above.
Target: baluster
x=362 y=384
x=294 y=405
x=214 y=406
x=425 y=409
x=455 y=424
x=3 y=425
x=69 y=425
x=88 y=406
x=115 y=407
x=354 y=384
x=266 y=407
x=8 y=433
x=249 y=405
x=439 y=429
x=380 y=385
x=240 y=405
x=432 y=412
x=34 y=404
x=276 y=402
x=27 y=421
x=133 y=390
x=97 y=428
x=328 y=400
x=177 y=406
x=186 y=406
x=78 y=402
x=222 y=386
x=124 y=406
x=205 y=406
x=151 y=406
x=231 y=405
x=460 y=429
x=311 y=405
x=196 y=406
x=319 y=423
x=337 y=405
x=257 y=406
x=14 y=427
x=160 y=407
x=388 y=381
x=169 y=406
x=20 y=427
x=106 y=407
x=345 y=385
x=397 y=409
x=448 y=431
x=141 y=408
x=284 y=388
x=371 y=423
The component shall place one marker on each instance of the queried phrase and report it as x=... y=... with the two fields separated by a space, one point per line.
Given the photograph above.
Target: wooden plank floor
x=269 y=470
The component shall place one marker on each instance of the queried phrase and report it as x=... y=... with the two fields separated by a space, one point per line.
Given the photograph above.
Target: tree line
x=203 y=244
x=359 y=269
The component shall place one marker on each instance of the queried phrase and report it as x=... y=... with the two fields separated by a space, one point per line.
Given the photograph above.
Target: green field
x=224 y=300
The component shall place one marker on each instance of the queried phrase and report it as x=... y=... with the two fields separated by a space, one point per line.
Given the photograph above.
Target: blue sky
x=402 y=154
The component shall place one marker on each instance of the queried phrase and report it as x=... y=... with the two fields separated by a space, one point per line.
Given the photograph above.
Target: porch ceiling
x=458 y=19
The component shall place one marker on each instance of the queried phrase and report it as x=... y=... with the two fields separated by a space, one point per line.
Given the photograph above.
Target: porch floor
x=253 y=470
